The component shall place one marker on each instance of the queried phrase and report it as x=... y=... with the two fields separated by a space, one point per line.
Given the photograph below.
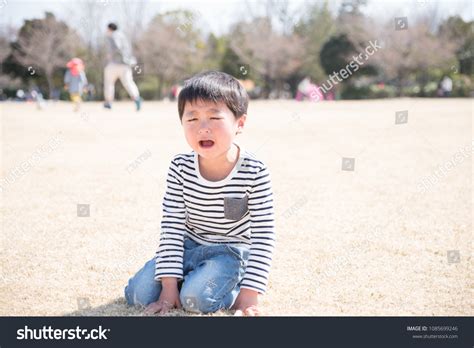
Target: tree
x=351 y=7
x=214 y=52
x=315 y=28
x=232 y=64
x=5 y=80
x=91 y=26
x=4 y=48
x=338 y=52
x=171 y=48
x=90 y=22
x=45 y=45
x=454 y=29
x=335 y=53
x=132 y=13
x=352 y=23
x=273 y=56
x=412 y=52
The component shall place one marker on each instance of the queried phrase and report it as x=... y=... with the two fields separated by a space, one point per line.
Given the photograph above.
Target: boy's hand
x=246 y=303
x=169 y=298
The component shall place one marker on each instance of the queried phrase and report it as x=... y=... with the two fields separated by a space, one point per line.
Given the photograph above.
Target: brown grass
x=331 y=258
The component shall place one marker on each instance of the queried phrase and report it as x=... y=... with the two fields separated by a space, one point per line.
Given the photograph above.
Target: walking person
x=119 y=62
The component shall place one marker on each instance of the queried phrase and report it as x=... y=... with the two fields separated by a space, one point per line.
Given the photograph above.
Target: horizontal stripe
x=196 y=208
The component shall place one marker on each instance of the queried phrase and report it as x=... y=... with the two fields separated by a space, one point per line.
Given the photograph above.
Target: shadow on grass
x=119 y=308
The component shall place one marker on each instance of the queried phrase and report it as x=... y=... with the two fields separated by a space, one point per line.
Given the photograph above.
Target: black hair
x=112 y=26
x=214 y=86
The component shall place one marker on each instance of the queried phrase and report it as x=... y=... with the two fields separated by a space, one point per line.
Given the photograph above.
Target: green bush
x=382 y=91
x=411 y=91
x=431 y=89
x=351 y=91
x=373 y=91
x=462 y=85
x=148 y=87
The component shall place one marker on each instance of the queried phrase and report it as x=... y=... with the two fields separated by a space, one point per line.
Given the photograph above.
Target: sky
x=215 y=15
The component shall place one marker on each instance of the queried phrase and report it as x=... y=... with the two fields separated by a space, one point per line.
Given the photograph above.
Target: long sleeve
x=83 y=78
x=67 y=77
x=120 y=49
x=262 y=233
x=169 y=256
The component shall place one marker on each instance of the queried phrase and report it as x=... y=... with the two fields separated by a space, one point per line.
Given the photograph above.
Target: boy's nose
x=204 y=128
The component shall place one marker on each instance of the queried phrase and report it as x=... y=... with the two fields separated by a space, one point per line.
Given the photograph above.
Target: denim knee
x=198 y=302
x=211 y=286
x=142 y=288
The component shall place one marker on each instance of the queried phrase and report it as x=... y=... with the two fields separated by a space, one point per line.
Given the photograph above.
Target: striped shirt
x=237 y=210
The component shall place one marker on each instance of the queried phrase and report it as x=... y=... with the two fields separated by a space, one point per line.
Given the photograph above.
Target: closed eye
x=191 y=119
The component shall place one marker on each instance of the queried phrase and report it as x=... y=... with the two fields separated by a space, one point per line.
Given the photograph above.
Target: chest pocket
x=235 y=208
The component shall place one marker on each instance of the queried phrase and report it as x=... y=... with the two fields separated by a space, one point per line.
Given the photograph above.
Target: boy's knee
x=197 y=302
x=130 y=296
x=142 y=289
x=139 y=296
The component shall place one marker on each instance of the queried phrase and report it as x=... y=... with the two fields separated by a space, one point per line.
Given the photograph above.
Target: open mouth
x=206 y=143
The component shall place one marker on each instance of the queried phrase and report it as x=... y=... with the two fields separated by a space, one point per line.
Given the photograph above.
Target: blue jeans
x=212 y=276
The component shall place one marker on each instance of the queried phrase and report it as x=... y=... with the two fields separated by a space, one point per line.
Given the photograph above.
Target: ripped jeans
x=212 y=276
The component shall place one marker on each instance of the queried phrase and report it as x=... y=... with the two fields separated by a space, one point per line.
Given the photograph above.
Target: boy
x=217 y=231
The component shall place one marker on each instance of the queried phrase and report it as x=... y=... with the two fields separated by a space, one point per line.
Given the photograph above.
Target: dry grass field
x=362 y=242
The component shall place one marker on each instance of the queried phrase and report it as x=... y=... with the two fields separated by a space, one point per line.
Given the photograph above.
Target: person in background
x=75 y=80
x=446 y=86
x=37 y=96
x=308 y=90
x=20 y=95
x=90 y=92
x=120 y=60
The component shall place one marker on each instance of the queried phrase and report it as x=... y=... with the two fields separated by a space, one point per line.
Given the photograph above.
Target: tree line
x=275 y=48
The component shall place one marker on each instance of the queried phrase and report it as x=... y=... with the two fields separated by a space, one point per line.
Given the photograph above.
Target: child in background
x=75 y=80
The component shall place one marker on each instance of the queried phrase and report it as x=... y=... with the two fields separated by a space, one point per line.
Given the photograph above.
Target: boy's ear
x=241 y=121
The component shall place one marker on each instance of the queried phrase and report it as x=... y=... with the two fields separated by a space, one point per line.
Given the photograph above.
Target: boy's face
x=210 y=128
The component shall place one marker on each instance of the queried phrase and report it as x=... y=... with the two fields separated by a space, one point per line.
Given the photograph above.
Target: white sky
x=217 y=15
